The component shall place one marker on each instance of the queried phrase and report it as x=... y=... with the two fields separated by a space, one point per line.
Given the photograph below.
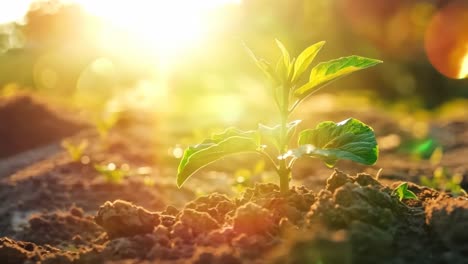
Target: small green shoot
x=444 y=180
x=403 y=193
x=350 y=139
x=111 y=173
x=75 y=151
x=106 y=123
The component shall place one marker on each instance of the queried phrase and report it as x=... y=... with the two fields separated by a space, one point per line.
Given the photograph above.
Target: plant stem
x=283 y=169
x=284 y=178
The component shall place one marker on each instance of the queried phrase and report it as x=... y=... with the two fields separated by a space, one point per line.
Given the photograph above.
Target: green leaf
x=350 y=139
x=285 y=53
x=403 y=193
x=234 y=132
x=281 y=70
x=305 y=59
x=284 y=66
x=266 y=68
x=231 y=141
x=326 y=72
x=273 y=134
x=75 y=151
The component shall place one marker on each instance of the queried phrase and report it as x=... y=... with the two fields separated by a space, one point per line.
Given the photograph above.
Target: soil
x=28 y=123
x=54 y=209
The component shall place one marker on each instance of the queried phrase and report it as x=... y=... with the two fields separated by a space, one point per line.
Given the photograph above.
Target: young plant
x=444 y=180
x=403 y=193
x=75 y=151
x=350 y=139
x=110 y=172
x=106 y=123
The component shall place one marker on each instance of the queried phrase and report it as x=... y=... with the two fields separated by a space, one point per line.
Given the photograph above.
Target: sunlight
x=464 y=67
x=164 y=27
x=13 y=11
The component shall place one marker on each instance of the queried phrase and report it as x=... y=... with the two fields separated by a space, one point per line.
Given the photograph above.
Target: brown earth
x=27 y=122
x=57 y=210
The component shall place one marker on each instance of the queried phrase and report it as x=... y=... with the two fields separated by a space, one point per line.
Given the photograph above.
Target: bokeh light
x=446 y=40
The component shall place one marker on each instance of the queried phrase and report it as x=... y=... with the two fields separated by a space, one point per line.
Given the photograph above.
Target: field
x=59 y=210
x=116 y=150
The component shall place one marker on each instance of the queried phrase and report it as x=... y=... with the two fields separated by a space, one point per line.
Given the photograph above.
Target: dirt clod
x=28 y=123
x=123 y=219
x=448 y=220
x=198 y=222
x=252 y=219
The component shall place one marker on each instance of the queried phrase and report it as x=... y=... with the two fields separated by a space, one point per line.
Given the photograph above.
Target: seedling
x=403 y=193
x=350 y=139
x=110 y=172
x=106 y=123
x=444 y=180
x=75 y=151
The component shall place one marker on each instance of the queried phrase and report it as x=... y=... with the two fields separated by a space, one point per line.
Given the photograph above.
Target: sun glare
x=464 y=67
x=164 y=27
x=13 y=11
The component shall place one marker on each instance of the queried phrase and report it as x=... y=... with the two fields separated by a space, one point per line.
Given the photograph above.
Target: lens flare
x=446 y=40
x=165 y=27
x=464 y=67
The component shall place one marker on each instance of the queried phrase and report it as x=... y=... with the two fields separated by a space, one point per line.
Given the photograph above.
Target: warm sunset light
x=13 y=11
x=464 y=67
x=166 y=27
x=446 y=40
x=233 y=131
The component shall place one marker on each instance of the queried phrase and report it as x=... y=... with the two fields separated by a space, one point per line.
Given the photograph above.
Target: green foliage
x=75 y=151
x=443 y=180
x=231 y=141
x=326 y=72
x=420 y=148
x=106 y=123
x=272 y=134
x=110 y=172
x=349 y=139
x=403 y=193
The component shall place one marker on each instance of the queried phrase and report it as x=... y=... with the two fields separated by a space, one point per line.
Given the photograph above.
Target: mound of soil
x=27 y=122
x=54 y=209
x=355 y=219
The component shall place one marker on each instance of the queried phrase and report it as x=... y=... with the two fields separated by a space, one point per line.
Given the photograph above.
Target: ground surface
x=54 y=209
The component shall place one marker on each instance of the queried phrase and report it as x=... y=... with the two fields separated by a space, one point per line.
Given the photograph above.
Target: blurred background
x=185 y=59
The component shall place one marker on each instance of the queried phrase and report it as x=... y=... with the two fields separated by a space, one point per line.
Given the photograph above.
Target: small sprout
x=403 y=193
x=443 y=180
x=291 y=84
x=422 y=149
x=110 y=172
x=75 y=151
x=436 y=156
x=105 y=124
